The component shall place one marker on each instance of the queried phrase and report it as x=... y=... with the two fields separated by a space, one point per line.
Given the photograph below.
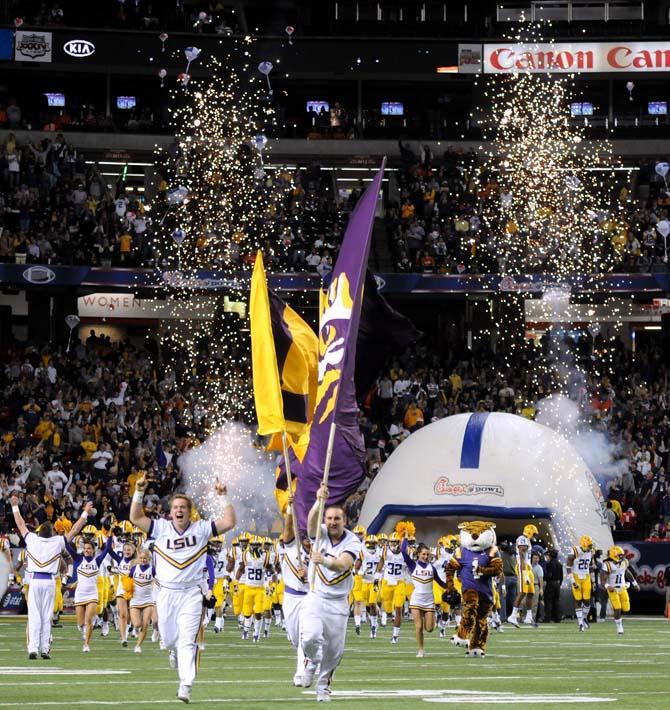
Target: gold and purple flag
x=284 y=362
x=336 y=390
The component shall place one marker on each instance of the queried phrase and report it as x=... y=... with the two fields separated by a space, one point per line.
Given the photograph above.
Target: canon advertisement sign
x=569 y=58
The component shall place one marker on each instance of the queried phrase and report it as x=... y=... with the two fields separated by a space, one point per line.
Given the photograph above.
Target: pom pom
x=405 y=527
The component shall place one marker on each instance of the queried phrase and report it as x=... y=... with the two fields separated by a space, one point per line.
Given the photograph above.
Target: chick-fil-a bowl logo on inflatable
x=444 y=487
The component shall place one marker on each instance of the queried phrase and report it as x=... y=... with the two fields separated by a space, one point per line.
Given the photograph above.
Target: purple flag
x=336 y=392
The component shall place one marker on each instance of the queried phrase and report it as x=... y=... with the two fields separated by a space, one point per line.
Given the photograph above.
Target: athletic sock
x=396 y=632
x=529 y=617
x=579 y=614
x=257 y=627
x=373 y=622
x=266 y=624
x=277 y=614
x=619 y=624
x=357 y=619
x=247 y=623
x=384 y=618
x=362 y=617
x=218 y=624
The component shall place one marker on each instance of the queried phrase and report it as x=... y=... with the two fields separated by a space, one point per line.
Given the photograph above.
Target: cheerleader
x=421 y=603
x=142 y=604
x=86 y=567
x=123 y=591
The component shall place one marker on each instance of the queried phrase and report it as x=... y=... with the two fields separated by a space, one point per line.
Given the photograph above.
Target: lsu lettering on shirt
x=44 y=553
x=334 y=584
x=180 y=555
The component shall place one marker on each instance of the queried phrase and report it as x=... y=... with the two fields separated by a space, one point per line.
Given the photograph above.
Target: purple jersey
x=482 y=584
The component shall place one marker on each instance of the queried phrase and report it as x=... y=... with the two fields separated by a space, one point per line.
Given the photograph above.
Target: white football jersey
x=394 y=568
x=616 y=574
x=254 y=568
x=180 y=555
x=220 y=564
x=369 y=561
x=44 y=553
x=290 y=566
x=442 y=558
x=331 y=583
x=581 y=565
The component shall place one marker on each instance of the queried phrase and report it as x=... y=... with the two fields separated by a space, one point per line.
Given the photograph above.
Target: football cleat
x=442 y=633
x=358 y=631
x=395 y=639
x=420 y=653
x=255 y=639
x=297 y=680
x=32 y=656
x=322 y=698
x=86 y=648
x=513 y=622
x=155 y=636
x=45 y=656
x=138 y=649
x=124 y=643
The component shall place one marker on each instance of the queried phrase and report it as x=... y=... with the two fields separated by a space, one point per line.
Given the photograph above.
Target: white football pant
x=41 y=594
x=180 y=614
x=323 y=630
x=291 y=606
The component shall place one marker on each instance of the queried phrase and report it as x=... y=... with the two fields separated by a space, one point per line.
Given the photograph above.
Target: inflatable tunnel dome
x=491 y=466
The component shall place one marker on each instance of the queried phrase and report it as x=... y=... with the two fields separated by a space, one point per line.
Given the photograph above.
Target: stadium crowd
x=436 y=225
x=86 y=422
x=57 y=208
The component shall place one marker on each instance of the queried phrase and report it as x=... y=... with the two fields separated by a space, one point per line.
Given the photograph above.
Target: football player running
x=613 y=577
x=579 y=566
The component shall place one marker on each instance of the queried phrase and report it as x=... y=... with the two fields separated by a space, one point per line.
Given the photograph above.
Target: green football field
x=547 y=667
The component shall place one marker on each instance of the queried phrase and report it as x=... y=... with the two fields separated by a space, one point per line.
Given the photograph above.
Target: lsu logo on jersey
x=181 y=543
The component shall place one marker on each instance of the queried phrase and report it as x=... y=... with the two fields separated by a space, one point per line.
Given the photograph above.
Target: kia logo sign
x=79 y=48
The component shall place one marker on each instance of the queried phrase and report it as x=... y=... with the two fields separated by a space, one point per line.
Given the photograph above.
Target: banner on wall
x=33 y=46
x=576 y=57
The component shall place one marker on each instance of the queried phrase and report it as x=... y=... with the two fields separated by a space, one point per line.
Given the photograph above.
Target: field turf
x=549 y=667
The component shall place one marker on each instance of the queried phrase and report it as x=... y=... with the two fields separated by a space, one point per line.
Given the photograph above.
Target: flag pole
x=294 y=517
x=322 y=503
